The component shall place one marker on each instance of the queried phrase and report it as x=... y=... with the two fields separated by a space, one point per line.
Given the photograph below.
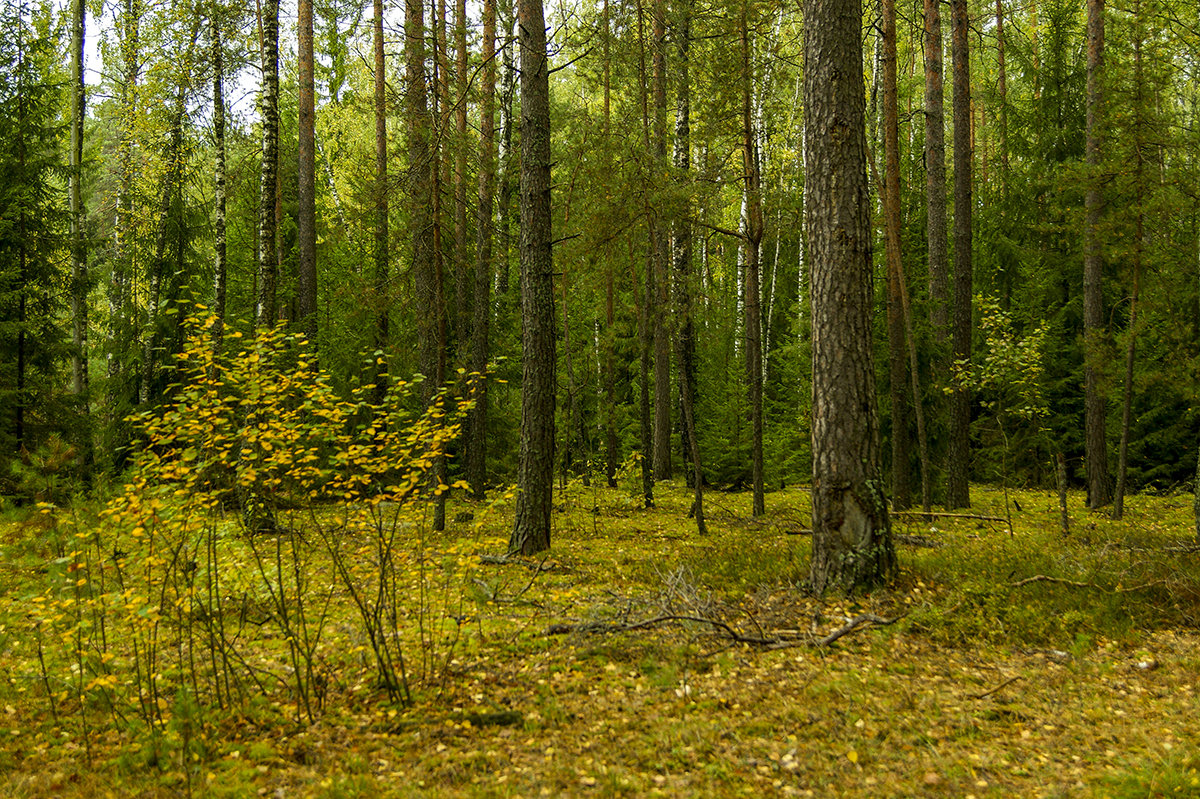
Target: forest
x=418 y=398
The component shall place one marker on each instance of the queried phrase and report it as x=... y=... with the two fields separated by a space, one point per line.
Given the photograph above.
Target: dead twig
x=1044 y=578
x=730 y=633
x=920 y=514
x=999 y=687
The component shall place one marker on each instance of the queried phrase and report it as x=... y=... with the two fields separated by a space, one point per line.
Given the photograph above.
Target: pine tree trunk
x=935 y=174
x=681 y=247
x=80 y=281
x=753 y=292
x=661 y=254
x=507 y=162
x=1095 y=401
x=219 y=187
x=645 y=298
x=464 y=267
x=1138 y=251
x=610 y=381
x=852 y=545
x=901 y=474
x=476 y=448
x=382 y=298
x=535 y=466
x=306 y=155
x=959 y=461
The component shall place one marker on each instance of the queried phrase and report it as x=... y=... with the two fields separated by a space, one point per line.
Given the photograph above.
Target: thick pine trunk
x=535 y=465
x=852 y=545
x=959 y=460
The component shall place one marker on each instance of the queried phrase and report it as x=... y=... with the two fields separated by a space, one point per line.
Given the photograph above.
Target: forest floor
x=639 y=659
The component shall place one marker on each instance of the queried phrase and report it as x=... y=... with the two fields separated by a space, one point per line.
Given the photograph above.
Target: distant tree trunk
x=439 y=94
x=959 y=462
x=610 y=382
x=935 y=174
x=504 y=214
x=535 y=465
x=121 y=315
x=1139 y=244
x=476 y=449
x=219 y=187
x=382 y=302
x=79 y=270
x=463 y=267
x=852 y=544
x=659 y=302
x=421 y=180
x=901 y=474
x=1095 y=401
x=681 y=246
x=753 y=293
x=266 y=311
x=306 y=155
x=645 y=296
x=160 y=280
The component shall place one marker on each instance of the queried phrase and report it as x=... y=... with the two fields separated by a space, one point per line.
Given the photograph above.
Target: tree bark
x=464 y=267
x=1095 y=401
x=661 y=256
x=535 y=466
x=852 y=544
x=306 y=155
x=266 y=310
x=219 y=187
x=476 y=450
x=382 y=298
x=610 y=382
x=935 y=175
x=1139 y=243
x=959 y=461
x=753 y=292
x=901 y=474
x=79 y=271
x=681 y=251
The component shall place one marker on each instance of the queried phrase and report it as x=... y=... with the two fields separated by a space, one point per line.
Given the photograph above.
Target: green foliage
x=32 y=259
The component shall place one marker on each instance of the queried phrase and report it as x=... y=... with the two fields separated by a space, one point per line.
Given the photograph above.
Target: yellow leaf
x=852 y=756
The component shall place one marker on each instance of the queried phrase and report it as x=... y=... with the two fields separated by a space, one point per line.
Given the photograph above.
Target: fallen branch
x=730 y=633
x=999 y=687
x=620 y=627
x=943 y=515
x=1042 y=578
x=505 y=560
x=854 y=624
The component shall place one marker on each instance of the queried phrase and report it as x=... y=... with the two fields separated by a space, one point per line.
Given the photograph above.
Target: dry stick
x=1042 y=578
x=944 y=515
x=734 y=635
x=999 y=687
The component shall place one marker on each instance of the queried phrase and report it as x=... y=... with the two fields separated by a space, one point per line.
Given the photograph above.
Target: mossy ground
x=1084 y=684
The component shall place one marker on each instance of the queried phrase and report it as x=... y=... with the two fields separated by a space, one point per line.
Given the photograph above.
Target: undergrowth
x=331 y=643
